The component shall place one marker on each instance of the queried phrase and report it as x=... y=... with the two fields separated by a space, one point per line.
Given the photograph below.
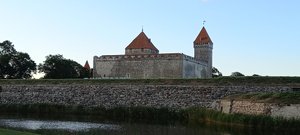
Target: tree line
x=19 y=65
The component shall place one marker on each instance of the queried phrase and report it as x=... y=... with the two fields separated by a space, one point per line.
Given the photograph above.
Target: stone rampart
x=244 y=107
x=259 y=108
x=126 y=95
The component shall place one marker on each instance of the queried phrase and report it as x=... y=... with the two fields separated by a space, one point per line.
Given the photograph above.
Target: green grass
x=214 y=81
x=199 y=115
x=123 y=114
x=190 y=116
x=14 y=132
x=280 y=98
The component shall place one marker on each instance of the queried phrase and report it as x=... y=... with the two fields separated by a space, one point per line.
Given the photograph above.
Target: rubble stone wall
x=126 y=95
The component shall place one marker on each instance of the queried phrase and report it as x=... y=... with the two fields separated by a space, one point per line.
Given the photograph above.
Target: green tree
x=86 y=71
x=7 y=48
x=256 y=75
x=14 y=64
x=216 y=73
x=237 y=74
x=57 y=67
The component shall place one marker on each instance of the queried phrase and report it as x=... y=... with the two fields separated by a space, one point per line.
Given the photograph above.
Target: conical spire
x=202 y=38
x=87 y=65
x=141 y=42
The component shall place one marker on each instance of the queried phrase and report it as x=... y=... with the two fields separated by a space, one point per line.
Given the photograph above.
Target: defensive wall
x=168 y=65
x=178 y=94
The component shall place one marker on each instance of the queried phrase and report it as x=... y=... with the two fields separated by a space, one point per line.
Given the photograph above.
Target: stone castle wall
x=126 y=95
x=173 y=65
x=193 y=68
x=204 y=53
x=140 y=51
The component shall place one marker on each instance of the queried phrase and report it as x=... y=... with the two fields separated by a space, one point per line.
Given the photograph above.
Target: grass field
x=248 y=80
x=13 y=132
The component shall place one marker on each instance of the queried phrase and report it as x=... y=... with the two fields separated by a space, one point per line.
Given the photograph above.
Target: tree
x=57 y=67
x=14 y=64
x=216 y=73
x=7 y=48
x=256 y=75
x=236 y=74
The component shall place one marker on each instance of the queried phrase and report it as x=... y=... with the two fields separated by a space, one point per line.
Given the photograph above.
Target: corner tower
x=203 y=47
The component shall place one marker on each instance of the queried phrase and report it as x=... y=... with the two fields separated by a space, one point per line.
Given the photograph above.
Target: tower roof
x=203 y=37
x=87 y=65
x=141 y=41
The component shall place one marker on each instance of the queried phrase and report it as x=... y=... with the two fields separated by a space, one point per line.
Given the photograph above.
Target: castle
x=142 y=60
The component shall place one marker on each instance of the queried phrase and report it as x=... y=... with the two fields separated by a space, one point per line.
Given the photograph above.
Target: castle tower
x=141 y=45
x=203 y=47
x=87 y=65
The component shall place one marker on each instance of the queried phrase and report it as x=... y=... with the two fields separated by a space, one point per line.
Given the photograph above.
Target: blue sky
x=250 y=36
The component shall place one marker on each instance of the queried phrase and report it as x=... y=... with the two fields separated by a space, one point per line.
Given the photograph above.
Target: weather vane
x=142 y=28
x=204 y=22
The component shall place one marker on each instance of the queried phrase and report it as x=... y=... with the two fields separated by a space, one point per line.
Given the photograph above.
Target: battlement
x=150 y=56
x=141 y=56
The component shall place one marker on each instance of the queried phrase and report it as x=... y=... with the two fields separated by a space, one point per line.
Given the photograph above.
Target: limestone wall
x=139 y=66
x=114 y=95
x=256 y=108
x=193 y=68
x=140 y=51
x=225 y=106
x=204 y=53
x=172 y=65
x=289 y=111
x=244 y=107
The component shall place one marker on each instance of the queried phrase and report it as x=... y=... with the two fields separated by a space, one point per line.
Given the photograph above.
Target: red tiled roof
x=86 y=65
x=141 y=41
x=203 y=37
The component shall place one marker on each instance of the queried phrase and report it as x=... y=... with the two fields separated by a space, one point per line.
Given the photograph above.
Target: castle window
x=142 y=49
